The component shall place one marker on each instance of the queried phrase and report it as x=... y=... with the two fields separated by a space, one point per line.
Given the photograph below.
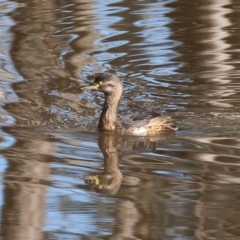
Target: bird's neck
x=108 y=117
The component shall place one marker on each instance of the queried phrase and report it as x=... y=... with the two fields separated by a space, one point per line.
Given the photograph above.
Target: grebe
x=112 y=88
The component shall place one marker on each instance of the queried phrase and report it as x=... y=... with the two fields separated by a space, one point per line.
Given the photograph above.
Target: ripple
x=176 y=58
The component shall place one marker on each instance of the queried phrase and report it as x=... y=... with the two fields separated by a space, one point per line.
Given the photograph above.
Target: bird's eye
x=109 y=85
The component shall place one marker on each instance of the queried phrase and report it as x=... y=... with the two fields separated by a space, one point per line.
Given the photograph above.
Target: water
x=60 y=179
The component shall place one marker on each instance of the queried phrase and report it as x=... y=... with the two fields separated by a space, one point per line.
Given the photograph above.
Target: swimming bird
x=112 y=88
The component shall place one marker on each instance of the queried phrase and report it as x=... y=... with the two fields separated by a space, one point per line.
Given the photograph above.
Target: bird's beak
x=91 y=87
x=93 y=179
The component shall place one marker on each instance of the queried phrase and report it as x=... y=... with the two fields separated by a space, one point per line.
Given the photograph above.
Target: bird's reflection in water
x=109 y=181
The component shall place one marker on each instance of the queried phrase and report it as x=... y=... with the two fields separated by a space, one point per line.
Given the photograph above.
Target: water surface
x=63 y=180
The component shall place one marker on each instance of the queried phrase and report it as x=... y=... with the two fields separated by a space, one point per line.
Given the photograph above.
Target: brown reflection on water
x=35 y=55
x=25 y=183
x=40 y=44
x=110 y=180
x=204 y=36
x=82 y=17
x=208 y=40
x=27 y=175
x=35 y=52
x=191 y=194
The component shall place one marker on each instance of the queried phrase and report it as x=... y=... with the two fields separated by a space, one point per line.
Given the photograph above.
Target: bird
x=112 y=87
